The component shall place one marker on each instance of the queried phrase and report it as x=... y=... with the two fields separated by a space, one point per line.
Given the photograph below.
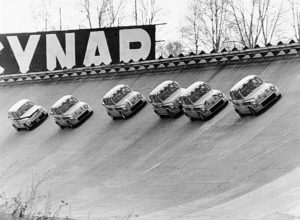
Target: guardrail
x=258 y=54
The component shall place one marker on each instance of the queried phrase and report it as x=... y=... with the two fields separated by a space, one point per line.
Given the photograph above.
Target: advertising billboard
x=55 y=50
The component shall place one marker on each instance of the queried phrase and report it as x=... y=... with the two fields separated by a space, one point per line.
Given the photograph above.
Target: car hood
x=260 y=90
x=209 y=97
x=31 y=111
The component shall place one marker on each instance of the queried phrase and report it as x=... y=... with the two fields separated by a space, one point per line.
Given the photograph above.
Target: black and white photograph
x=150 y=110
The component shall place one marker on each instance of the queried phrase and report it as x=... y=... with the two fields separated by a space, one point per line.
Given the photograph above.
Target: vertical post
x=59 y=18
x=135 y=10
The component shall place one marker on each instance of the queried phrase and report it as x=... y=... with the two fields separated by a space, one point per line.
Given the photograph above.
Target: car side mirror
x=149 y=100
x=51 y=113
x=103 y=104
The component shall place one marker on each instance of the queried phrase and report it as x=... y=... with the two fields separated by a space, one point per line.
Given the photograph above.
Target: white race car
x=252 y=95
x=68 y=111
x=25 y=114
x=165 y=99
x=201 y=101
x=121 y=101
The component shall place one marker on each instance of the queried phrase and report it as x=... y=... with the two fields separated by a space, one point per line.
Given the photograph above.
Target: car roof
x=61 y=100
x=192 y=87
x=113 y=90
x=240 y=83
x=16 y=106
x=161 y=86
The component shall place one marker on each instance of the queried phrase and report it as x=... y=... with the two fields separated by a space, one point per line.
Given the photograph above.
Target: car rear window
x=199 y=92
x=120 y=94
x=168 y=91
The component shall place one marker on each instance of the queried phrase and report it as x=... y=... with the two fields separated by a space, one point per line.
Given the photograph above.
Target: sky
x=18 y=16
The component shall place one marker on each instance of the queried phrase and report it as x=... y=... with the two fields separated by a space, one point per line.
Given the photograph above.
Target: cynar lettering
x=42 y=51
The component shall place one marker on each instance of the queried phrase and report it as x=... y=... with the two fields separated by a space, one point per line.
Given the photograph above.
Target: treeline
x=208 y=24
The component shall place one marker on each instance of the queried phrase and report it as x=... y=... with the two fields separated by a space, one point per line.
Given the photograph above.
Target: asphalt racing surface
x=150 y=168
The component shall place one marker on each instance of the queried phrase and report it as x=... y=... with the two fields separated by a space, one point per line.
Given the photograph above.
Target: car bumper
x=211 y=111
x=117 y=112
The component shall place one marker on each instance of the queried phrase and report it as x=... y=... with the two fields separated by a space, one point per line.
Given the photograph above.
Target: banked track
x=224 y=168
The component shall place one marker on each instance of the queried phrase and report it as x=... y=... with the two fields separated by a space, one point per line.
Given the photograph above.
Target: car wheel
x=123 y=115
x=60 y=126
x=18 y=129
x=70 y=125
x=27 y=127
x=190 y=117
x=239 y=113
x=253 y=112
x=171 y=114
x=202 y=117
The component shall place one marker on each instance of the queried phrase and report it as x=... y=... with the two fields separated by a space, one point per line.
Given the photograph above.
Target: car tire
x=171 y=114
x=191 y=118
x=60 y=126
x=253 y=112
x=27 y=127
x=15 y=127
x=123 y=115
x=202 y=117
x=239 y=113
x=70 y=125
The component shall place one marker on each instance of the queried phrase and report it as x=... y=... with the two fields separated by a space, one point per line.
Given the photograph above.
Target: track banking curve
x=225 y=168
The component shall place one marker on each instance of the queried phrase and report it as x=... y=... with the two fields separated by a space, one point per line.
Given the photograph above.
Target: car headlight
x=172 y=106
x=139 y=95
x=71 y=117
x=85 y=106
x=254 y=102
x=273 y=88
x=259 y=96
x=126 y=106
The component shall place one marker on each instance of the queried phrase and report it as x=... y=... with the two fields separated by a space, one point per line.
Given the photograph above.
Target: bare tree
x=42 y=15
x=104 y=13
x=206 y=24
x=255 y=20
x=114 y=12
x=174 y=48
x=296 y=19
x=86 y=4
x=149 y=12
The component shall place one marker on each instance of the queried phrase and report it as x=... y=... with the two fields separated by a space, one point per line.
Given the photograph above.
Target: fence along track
x=235 y=56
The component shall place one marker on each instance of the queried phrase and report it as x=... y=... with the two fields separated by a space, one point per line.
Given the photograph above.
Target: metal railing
x=234 y=56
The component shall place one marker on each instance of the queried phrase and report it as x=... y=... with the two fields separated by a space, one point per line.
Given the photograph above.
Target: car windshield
x=185 y=100
x=108 y=101
x=24 y=108
x=168 y=91
x=65 y=106
x=199 y=92
x=235 y=95
x=120 y=94
x=250 y=86
x=154 y=99
x=13 y=115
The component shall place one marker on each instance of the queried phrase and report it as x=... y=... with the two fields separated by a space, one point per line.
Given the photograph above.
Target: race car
x=251 y=95
x=165 y=99
x=68 y=111
x=121 y=101
x=199 y=100
x=26 y=115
